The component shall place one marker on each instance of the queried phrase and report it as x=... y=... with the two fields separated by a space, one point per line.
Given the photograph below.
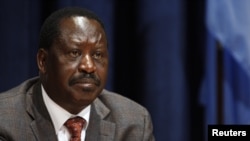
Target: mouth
x=86 y=84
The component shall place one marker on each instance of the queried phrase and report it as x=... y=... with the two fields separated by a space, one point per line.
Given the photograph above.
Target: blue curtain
x=19 y=29
x=208 y=92
x=160 y=33
x=228 y=23
x=147 y=45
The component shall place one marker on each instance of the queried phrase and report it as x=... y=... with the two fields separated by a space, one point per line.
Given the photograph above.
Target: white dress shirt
x=59 y=116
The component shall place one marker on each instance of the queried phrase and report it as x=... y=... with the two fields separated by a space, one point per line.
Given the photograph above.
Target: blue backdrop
x=154 y=54
x=227 y=23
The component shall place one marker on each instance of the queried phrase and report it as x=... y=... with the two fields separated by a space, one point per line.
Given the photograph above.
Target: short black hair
x=50 y=29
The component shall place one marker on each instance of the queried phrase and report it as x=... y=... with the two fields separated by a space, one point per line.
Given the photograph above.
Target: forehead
x=79 y=25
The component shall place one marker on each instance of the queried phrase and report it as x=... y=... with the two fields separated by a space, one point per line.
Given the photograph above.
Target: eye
x=97 y=55
x=75 y=53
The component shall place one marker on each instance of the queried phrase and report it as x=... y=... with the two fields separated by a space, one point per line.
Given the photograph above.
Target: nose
x=87 y=64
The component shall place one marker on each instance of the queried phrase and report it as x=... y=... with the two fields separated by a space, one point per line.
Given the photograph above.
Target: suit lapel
x=43 y=130
x=41 y=124
x=100 y=129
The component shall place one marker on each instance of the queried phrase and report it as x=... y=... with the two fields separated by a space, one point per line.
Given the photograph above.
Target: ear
x=41 y=57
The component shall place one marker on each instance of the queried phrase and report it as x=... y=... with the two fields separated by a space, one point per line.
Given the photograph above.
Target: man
x=73 y=65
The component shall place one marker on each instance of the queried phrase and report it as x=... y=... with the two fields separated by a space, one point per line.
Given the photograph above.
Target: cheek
x=63 y=69
x=66 y=70
x=66 y=65
x=102 y=71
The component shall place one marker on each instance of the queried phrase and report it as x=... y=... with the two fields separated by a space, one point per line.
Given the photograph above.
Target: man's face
x=76 y=65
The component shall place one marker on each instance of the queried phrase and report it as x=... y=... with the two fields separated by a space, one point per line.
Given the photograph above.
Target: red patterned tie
x=75 y=126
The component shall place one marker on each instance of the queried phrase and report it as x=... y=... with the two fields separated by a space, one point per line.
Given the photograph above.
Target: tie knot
x=75 y=125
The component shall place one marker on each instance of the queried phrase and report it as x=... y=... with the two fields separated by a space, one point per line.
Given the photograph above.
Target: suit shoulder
x=19 y=89
x=117 y=101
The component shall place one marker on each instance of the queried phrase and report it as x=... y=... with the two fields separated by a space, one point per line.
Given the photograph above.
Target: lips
x=85 y=84
x=86 y=81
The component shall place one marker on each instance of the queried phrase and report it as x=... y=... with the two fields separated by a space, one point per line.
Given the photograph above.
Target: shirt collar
x=60 y=115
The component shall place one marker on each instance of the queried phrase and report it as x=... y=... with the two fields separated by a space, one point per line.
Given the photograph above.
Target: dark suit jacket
x=24 y=117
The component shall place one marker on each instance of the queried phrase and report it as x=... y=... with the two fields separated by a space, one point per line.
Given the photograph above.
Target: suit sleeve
x=2 y=139
x=148 y=128
x=4 y=136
